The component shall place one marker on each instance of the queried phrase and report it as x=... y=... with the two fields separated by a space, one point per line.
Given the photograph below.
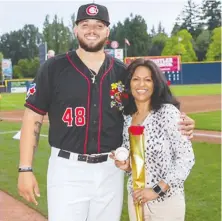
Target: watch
x=157 y=189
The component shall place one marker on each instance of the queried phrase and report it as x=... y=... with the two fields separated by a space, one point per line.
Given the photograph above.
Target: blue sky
x=15 y=14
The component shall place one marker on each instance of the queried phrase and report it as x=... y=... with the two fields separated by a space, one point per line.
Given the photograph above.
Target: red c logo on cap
x=92 y=10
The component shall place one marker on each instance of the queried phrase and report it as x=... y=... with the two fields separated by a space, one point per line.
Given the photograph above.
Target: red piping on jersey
x=100 y=102
x=88 y=102
x=35 y=108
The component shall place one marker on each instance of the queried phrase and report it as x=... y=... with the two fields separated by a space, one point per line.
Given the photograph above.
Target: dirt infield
x=197 y=104
x=11 y=209
x=207 y=136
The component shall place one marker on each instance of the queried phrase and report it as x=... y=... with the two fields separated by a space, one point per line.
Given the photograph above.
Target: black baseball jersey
x=84 y=117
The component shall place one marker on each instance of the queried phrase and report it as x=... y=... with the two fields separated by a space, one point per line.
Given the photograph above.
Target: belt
x=97 y=158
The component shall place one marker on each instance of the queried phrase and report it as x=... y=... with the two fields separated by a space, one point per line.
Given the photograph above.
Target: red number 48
x=79 y=114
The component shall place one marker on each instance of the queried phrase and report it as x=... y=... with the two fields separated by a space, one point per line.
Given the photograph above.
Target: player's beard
x=94 y=48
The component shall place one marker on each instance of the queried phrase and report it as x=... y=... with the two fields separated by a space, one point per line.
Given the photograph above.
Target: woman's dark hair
x=161 y=92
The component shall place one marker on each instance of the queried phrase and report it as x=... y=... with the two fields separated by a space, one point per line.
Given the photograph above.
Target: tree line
x=196 y=36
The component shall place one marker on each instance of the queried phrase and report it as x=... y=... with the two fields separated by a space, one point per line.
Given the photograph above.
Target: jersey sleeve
x=38 y=97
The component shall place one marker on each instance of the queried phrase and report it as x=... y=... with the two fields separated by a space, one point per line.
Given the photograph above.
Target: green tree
x=20 y=44
x=211 y=10
x=33 y=67
x=57 y=35
x=47 y=34
x=26 y=68
x=176 y=28
x=116 y=33
x=214 y=50
x=17 y=72
x=180 y=44
x=21 y=69
x=11 y=47
x=73 y=41
x=158 y=43
x=201 y=44
x=29 y=36
x=153 y=31
x=160 y=28
x=134 y=29
x=190 y=17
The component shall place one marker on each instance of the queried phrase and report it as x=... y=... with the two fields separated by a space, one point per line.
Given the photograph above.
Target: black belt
x=85 y=158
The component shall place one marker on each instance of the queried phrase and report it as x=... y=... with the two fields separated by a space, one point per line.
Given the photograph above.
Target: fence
x=191 y=73
x=197 y=73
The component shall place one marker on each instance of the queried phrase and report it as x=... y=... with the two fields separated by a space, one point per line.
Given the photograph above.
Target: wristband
x=25 y=169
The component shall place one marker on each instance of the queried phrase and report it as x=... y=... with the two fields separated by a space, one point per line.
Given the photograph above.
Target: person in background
x=50 y=54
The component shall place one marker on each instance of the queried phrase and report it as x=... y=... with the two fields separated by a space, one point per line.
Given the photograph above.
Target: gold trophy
x=137 y=157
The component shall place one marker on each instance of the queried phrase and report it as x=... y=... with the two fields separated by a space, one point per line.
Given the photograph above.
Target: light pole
x=42 y=48
x=180 y=54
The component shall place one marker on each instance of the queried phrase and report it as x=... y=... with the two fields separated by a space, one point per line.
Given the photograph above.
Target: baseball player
x=81 y=93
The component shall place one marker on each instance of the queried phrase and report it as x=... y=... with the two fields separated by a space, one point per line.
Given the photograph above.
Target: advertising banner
x=7 y=68
x=168 y=64
x=18 y=86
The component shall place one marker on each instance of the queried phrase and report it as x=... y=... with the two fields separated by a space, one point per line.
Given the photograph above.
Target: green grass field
x=200 y=89
x=202 y=187
x=12 y=101
x=207 y=120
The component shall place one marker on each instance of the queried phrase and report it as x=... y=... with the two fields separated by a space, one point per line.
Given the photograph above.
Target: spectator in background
x=50 y=54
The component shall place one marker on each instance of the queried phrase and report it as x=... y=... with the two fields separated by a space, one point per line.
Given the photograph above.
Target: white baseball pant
x=80 y=191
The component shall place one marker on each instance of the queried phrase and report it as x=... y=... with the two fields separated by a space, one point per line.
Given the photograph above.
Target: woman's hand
x=187 y=125
x=144 y=195
x=123 y=165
